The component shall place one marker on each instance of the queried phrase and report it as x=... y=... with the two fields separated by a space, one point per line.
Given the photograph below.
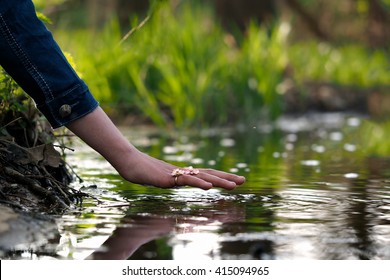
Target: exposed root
x=35 y=179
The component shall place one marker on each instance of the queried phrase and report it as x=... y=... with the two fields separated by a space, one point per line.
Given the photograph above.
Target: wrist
x=124 y=158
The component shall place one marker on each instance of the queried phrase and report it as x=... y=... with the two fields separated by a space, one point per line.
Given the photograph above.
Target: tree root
x=35 y=179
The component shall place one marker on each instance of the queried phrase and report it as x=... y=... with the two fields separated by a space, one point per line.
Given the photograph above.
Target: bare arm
x=29 y=53
x=97 y=130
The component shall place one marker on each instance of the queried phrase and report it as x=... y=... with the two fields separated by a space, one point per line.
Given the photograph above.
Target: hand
x=146 y=170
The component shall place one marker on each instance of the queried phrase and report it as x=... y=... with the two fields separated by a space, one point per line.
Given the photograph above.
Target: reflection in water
x=133 y=232
x=197 y=234
x=311 y=193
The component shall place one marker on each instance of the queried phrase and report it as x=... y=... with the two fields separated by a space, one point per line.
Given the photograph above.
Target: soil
x=35 y=179
x=34 y=189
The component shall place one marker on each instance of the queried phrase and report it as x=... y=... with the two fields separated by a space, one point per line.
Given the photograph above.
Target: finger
x=193 y=181
x=217 y=181
x=205 y=181
x=239 y=180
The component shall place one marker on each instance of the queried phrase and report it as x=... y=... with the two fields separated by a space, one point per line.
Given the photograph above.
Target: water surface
x=311 y=193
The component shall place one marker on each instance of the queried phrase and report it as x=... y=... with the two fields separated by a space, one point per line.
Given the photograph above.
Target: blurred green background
x=187 y=64
x=217 y=62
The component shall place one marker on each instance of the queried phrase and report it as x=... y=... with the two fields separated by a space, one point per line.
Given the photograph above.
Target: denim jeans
x=31 y=56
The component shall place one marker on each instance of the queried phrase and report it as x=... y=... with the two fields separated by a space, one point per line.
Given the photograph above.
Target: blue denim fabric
x=31 y=56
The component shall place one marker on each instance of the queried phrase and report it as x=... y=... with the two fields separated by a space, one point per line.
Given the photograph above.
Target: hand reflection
x=136 y=231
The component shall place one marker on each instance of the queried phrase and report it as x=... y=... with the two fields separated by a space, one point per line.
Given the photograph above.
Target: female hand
x=146 y=170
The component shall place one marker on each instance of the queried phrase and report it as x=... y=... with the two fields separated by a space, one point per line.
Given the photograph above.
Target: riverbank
x=34 y=179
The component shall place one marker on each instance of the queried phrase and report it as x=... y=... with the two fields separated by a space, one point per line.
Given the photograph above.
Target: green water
x=311 y=193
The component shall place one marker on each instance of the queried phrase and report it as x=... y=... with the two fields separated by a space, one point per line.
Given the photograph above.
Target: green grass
x=181 y=68
x=344 y=65
x=10 y=98
x=373 y=137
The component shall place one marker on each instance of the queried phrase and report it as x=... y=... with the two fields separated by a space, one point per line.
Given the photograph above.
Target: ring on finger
x=176 y=179
x=176 y=173
x=185 y=171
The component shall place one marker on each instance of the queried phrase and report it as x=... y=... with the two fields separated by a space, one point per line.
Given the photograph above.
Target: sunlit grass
x=345 y=65
x=373 y=137
x=182 y=68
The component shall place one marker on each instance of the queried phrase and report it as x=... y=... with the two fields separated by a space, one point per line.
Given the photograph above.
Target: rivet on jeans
x=65 y=110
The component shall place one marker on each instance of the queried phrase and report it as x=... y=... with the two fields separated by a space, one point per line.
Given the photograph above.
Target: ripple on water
x=286 y=210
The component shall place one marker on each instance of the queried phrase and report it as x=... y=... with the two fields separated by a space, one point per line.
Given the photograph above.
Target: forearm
x=98 y=131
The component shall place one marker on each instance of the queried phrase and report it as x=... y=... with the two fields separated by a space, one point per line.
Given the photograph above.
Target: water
x=311 y=193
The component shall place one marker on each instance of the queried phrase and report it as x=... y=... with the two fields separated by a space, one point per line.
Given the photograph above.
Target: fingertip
x=207 y=186
x=241 y=180
x=230 y=186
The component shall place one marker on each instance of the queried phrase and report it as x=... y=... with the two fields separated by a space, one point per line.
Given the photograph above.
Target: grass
x=182 y=68
x=344 y=65
x=10 y=98
x=373 y=136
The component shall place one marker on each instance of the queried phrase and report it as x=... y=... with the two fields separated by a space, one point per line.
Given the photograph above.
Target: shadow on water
x=311 y=193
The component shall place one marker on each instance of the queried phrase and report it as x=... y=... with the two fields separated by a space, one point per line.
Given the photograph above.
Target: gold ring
x=176 y=183
x=177 y=172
